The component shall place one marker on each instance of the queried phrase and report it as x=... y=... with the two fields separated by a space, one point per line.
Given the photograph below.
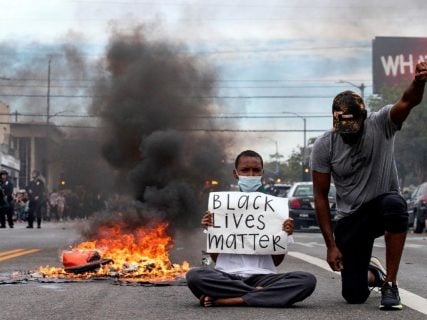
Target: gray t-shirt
x=361 y=171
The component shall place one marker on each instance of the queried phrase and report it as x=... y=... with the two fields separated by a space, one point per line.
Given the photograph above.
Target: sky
x=279 y=63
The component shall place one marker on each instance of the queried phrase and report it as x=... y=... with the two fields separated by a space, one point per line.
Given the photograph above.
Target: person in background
x=37 y=197
x=270 y=188
x=21 y=206
x=249 y=280
x=358 y=153
x=7 y=200
x=53 y=205
x=61 y=205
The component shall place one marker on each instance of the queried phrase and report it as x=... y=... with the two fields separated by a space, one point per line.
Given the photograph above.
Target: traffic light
x=306 y=173
x=62 y=181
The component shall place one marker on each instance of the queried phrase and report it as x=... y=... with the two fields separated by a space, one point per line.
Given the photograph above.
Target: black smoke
x=154 y=100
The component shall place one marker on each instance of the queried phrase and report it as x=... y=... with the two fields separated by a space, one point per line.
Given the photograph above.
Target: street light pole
x=304 y=119
x=276 y=155
x=305 y=133
x=304 y=148
x=361 y=87
x=47 y=158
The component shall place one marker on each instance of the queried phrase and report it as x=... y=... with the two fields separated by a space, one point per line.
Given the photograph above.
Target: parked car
x=282 y=189
x=410 y=201
x=301 y=204
x=417 y=208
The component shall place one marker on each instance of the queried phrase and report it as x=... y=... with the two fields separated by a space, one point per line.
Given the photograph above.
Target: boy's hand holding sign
x=247 y=223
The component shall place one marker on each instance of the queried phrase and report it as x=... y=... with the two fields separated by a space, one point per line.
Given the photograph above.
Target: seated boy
x=250 y=280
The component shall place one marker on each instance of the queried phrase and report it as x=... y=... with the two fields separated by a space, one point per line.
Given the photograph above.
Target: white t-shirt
x=244 y=264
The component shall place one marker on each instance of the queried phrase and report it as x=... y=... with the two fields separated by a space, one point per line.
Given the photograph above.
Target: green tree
x=411 y=141
x=292 y=167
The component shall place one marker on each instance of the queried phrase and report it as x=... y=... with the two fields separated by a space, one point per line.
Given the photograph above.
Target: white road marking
x=313 y=260
x=376 y=245
x=413 y=245
x=310 y=244
x=408 y=298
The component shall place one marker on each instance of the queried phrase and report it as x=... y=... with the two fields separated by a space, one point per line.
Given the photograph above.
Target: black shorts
x=355 y=236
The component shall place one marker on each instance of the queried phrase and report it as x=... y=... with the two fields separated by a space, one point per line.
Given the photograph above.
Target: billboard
x=394 y=60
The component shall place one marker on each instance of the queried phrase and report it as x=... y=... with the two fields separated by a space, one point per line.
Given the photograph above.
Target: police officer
x=6 y=200
x=37 y=196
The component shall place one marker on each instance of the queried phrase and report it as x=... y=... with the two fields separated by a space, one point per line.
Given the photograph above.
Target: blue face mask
x=249 y=183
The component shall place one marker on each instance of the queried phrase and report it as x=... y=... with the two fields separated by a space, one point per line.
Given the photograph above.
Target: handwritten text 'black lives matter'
x=246 y=223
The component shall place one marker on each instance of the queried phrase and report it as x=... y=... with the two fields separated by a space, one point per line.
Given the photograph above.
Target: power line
x=184 y=130
x=52 y=96
x=212 y=116
x=233 y=51
x=416 y=18
x=53 y=125
x=311 y=80
x=257 y=130
x=239 y=5
x=271 y=97
x=206 y=97
x=260 y=117
x=19 y=114
x=178 y=86
x=45 y=79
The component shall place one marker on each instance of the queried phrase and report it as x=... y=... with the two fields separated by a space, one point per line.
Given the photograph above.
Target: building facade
x=28 y=146
x=9 y=159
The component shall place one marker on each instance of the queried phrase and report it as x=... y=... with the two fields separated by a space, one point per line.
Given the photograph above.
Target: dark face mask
x=352 y=138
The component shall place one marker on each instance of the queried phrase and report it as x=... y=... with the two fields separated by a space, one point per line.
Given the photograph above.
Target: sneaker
x=379 y=272
x=390 y=299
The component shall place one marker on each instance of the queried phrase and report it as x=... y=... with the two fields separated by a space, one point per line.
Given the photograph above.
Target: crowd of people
x=34 y=204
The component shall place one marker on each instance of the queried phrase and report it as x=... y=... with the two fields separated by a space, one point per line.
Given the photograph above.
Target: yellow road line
x=10 y=252
x=16 y=253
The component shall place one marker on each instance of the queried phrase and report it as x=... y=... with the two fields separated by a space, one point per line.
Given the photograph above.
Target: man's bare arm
x=321 y=185
x=412 y=96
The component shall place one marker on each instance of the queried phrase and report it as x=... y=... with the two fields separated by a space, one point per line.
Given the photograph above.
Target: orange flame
x=142 y=255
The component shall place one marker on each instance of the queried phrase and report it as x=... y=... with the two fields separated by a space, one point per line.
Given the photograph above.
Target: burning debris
x=79 y=261
x=140 y=256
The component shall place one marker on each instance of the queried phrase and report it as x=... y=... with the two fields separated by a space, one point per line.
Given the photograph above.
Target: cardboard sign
x=247 y=223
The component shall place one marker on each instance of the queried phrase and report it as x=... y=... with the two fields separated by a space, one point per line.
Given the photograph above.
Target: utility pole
x=47 y=122
x=304 y=148
x=48 y=93
x=361 y=87
x=276 y=156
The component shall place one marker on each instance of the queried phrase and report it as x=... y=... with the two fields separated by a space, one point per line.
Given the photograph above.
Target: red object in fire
x=77 y=261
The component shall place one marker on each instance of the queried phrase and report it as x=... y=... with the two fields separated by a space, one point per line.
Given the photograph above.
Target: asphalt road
x=106 y=299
